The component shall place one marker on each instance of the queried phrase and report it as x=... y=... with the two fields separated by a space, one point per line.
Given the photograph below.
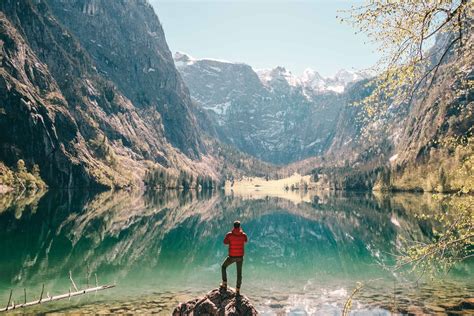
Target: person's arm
x=246 y=239
x=226 y=239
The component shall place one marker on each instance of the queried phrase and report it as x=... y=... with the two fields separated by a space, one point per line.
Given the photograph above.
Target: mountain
x=310 y=123
x=91 y=97
x=90 y=93
x=311 y=81
x=127 y=45
x=425 y=145
x=269 y=114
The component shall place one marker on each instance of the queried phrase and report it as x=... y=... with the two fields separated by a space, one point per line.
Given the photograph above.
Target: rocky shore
x=217 y=302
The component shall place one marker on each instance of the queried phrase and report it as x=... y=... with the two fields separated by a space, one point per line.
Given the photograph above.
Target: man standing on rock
x=236 y=240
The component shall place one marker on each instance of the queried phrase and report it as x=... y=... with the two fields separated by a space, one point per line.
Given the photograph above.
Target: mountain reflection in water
x=162 y=248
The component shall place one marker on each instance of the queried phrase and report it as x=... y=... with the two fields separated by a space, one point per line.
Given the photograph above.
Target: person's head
x=236 y=224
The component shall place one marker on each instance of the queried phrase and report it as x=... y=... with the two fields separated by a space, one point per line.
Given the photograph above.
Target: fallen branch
x=56 y=298
x=347 y=306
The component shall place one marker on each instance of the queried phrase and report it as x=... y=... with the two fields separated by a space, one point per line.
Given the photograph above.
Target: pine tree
x=36 y=171
x=20 y=166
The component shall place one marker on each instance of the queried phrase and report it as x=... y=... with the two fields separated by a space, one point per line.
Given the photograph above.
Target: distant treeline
x=348 y=178
x=159 y=178
x=236 y=164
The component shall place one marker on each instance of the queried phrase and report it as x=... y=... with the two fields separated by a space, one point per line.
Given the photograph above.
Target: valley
x=122 y=159
x=97 y=120
x=270 y=114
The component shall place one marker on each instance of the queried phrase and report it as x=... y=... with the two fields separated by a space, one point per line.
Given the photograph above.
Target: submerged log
x=57 y=297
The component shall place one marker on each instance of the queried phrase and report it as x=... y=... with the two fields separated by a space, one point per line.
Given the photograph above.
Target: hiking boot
x=237 y=291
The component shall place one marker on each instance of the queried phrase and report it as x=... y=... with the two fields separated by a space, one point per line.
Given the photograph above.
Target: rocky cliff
x=422 y=145
x=312 y=123
x=90 y=92
x=127 y=45
x=272 y=114
x=425 y=145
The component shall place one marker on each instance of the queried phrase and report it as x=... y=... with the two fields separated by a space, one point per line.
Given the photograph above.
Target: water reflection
x=302 y=257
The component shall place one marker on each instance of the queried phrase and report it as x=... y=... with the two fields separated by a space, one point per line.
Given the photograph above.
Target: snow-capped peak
x=312 y=78
x=277 y=75
x=345 y=77
x=310 y=75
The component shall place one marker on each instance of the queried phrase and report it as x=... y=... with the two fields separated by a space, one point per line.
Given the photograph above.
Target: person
x=236 y=240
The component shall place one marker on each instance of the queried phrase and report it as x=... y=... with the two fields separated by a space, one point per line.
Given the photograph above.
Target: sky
x=265 y=34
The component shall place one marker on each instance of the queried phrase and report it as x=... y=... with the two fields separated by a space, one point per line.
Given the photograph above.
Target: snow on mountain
x=310 y=80
x=346 y=77
x=265 y=113
x=280 y=77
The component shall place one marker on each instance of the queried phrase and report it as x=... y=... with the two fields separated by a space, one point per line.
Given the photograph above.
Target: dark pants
x=228 y=261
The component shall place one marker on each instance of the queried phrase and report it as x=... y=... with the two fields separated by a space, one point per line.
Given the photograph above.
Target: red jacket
x=236 y=240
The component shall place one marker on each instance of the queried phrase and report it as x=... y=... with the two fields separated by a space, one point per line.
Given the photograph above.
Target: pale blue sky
x=265 y=34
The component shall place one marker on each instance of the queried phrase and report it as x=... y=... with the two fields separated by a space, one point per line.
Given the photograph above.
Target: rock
x=435 y=308
x=465 y=304
x=217 y=302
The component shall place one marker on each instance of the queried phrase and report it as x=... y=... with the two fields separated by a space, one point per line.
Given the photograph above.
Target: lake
x=303 y=258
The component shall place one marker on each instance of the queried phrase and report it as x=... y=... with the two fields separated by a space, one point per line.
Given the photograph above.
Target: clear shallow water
x=160 y=249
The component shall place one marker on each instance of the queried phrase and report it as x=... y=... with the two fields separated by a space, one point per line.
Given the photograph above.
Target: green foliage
x=236 y=164
x=7 y=177
x=170 y=179
x=21 y=202
x=36 y=171
x=20 y=166
x=447 y=167
x=415 y=40
x=20 y=178
x=349 y=178
x=452 y=240
x=348 y=304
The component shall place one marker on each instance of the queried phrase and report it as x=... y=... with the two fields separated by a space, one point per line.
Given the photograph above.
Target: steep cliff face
x=34 y=120
x=62 y=111
x=127 y=45
x=349 y=144
x=434 y=144
x=426 y=145
x=271 y=115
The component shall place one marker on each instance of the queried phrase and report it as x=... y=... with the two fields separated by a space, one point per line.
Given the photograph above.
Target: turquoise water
x=159 y=249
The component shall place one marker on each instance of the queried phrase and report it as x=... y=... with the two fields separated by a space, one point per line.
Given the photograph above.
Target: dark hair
x=236 y=224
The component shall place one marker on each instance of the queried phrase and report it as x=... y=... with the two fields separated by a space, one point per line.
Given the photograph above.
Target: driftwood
x=57 y=297
x=11 y=304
